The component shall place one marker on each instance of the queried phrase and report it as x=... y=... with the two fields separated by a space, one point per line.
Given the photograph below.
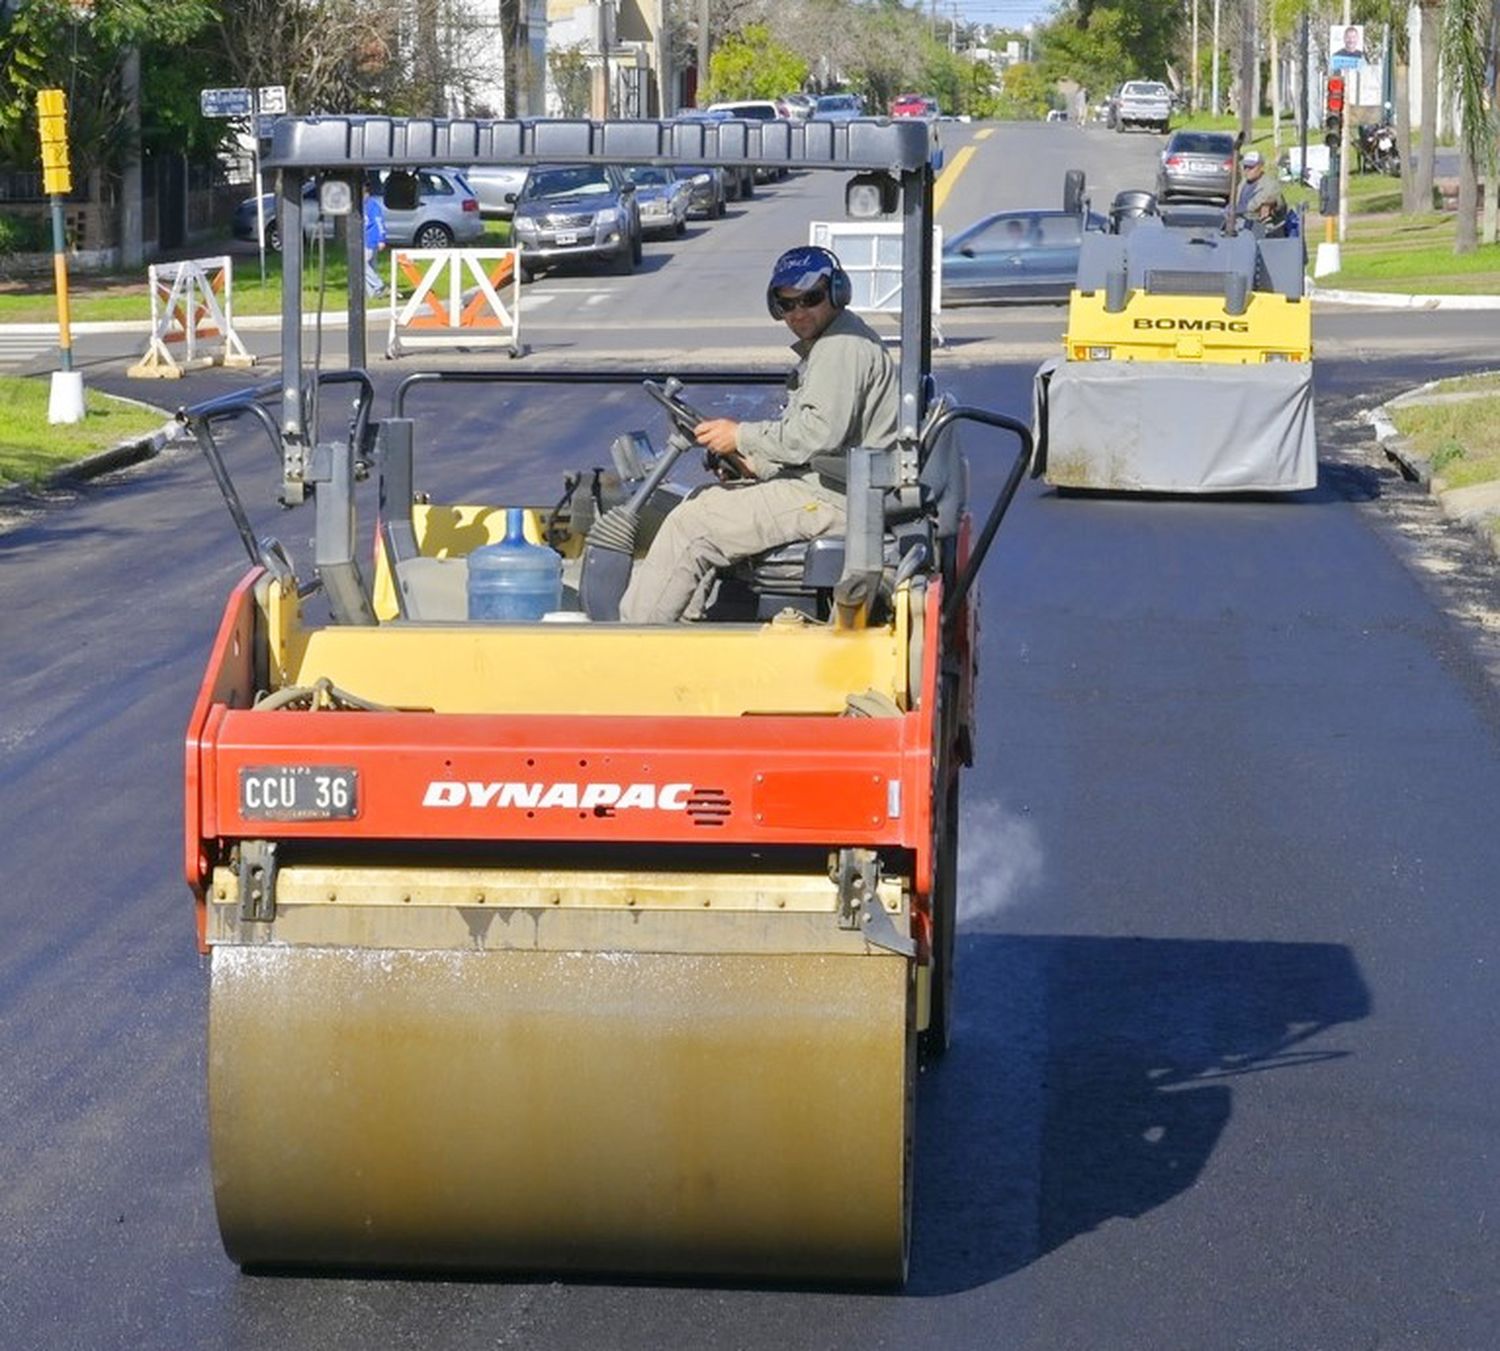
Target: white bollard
x=1327 y=260
x=65 y=402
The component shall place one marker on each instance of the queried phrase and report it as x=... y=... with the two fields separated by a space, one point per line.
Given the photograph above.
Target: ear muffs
x=800 y=268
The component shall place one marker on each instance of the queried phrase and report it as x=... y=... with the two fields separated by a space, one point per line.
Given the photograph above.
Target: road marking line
x=985 y=134
x=949 y=177
x=598 y=298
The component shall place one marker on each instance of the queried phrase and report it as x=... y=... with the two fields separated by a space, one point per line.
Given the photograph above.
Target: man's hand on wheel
x=721 y=435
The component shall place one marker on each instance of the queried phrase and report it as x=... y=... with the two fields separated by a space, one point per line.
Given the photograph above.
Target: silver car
x=446 y=210
x=497 y=186
x=663 y=198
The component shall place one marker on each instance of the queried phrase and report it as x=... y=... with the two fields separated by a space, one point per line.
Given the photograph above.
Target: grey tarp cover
x=1171 y=427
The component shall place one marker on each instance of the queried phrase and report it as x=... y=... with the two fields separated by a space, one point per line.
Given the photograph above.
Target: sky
x=1002 y=13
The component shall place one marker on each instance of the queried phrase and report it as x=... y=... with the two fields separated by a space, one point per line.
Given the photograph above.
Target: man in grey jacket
x=844 y=393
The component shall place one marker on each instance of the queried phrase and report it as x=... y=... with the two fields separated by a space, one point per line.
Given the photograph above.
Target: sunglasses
x=810 y=301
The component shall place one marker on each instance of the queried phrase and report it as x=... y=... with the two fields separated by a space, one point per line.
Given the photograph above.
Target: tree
x=571 y=78
x=1466 y=55
x=82 y=49
x=1100 y=43
x=1427 y=150
x=752 y=64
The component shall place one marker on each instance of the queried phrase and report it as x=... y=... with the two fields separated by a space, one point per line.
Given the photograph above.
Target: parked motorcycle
x=1377 y=149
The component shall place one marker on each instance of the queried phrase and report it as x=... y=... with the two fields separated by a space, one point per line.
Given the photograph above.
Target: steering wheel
x=685 y=418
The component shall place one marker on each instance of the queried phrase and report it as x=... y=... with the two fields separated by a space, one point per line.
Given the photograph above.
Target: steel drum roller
x=734 y=1113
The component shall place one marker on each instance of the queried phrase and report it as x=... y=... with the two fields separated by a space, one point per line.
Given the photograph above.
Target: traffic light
x=1333 y=123
x=52 y=122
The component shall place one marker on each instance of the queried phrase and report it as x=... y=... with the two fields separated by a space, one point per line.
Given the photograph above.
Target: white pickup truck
x=1142 y=103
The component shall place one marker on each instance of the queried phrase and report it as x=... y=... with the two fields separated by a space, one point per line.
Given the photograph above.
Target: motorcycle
x=1377 y=149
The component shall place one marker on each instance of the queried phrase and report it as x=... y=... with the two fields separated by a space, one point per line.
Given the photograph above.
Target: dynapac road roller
x=517 y=964
x=1187 y=363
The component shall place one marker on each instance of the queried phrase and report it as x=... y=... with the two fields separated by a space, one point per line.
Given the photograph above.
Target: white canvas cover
x=1170 y=427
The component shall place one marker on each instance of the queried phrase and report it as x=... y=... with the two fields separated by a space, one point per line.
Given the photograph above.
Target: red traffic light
x=1336 y=94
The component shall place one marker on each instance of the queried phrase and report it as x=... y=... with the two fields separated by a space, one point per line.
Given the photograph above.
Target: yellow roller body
x=585 y=1089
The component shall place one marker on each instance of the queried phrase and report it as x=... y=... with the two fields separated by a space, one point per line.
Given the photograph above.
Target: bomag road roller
x=567 y=945
x=1187 y=363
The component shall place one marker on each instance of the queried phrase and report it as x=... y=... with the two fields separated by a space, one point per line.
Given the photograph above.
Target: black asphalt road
x=1224 y=1073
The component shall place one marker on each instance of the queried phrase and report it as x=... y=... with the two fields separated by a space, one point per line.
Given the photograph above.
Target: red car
x=914 y=105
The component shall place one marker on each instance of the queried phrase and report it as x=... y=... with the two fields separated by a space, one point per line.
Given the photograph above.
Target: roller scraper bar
x=334 y=143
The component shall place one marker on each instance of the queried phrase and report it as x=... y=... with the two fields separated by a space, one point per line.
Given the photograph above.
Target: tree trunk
x=1409 y=200
x=1275 y=89
x=1427 y=150
x=1466 y=232
x=1247 y=72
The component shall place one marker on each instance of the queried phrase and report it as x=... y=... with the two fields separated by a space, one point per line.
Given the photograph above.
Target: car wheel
x=273 y=237
x=433 y=235
x=637 y=247
x=623 y=263
x=681 y=227
x=747 y=188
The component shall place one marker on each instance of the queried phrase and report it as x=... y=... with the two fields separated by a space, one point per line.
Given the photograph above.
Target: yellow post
x=57 y=179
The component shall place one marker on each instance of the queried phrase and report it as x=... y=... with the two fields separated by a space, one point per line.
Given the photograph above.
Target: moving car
x=577 y=212
x=1196 y=164
x=446 y=213
x=1142 y=103
x=838 y=108
x=751 y=110
x=1016 y=255
x=798 y=106
x=662 y=198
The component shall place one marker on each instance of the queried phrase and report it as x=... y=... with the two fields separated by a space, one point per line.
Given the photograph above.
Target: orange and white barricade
x=192 y=318
x=459 y=298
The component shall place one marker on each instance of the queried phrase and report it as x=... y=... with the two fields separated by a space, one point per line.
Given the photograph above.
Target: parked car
x=577 y=212
x=497 y=186
x=738 y=181
x=662 y=198
x=838 y=108
x=1057 y=115
x=751 y=110
x=1015 y=255
x=446 y=213
x=1142 y=103
x=798 y=106
x=1196 y=164
x=914 y=105
x=706 y=186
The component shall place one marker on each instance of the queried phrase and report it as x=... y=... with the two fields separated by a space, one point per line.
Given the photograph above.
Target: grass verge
x=31 y=448
x=124 y=296
x=1460 y=440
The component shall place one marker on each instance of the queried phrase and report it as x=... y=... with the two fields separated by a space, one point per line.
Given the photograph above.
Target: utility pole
x=702 y=52
x=1344 y=151
x=1247 y=71
x=1194 y=102
x=1214 y=104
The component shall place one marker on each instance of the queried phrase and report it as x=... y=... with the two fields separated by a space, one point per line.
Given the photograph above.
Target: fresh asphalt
x=1223 y=1074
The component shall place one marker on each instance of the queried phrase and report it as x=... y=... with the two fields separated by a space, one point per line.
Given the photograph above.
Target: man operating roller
x=843 y=393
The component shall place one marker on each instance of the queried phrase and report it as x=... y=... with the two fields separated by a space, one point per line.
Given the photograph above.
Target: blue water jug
x=513 y=581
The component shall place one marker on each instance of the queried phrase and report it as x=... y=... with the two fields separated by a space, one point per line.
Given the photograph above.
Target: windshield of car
x=1201 y=143
x=756 y=111
x=570 y=182
x=837 y=103
x=647 y=175
x=1141 y=88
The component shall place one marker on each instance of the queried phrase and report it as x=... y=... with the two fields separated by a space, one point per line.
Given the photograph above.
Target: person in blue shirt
x=374 y=243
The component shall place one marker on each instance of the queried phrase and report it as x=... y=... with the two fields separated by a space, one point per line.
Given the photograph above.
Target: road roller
x=557 y=944
x=1187 y=360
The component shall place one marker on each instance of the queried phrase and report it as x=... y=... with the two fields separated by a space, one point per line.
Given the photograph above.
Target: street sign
x=271 y=98
x=265 y=124
x=225 y=102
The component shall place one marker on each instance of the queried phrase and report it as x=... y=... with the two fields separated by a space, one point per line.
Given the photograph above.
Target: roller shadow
x=1091 y=1078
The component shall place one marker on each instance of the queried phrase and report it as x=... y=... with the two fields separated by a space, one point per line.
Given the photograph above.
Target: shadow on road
x=1091 y=1078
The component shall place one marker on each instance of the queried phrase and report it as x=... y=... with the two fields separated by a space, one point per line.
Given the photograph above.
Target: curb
x=1394 y=300
x=1483 y=523
x=137 y=450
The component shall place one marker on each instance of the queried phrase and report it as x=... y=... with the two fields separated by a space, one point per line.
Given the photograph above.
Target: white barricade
x=488 y=314
x=192 y=307
x=870 y=251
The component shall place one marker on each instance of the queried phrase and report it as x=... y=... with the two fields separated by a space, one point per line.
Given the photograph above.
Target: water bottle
x=513 y=581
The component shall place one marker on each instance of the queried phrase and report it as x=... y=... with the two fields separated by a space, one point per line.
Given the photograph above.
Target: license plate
x=1197 y=166
x=299 y=793
x=567 y=237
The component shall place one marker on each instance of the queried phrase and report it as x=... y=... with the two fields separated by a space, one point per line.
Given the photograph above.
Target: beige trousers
x=715 y=527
